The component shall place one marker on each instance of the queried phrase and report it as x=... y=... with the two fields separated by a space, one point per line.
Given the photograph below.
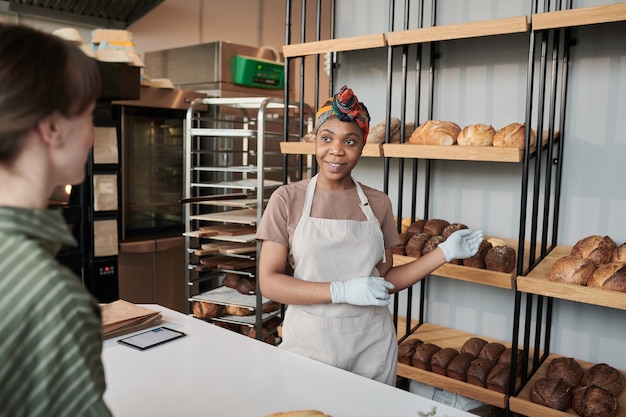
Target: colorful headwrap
x=346 y=107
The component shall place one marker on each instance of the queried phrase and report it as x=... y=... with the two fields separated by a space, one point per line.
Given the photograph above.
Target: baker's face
x=77 y=140
x=338 y=147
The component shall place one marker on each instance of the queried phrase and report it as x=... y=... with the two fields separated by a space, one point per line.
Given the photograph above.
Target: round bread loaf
x=498 y=378
x=492 y=351
x=435 y=226
x=377 y=132
x=566 y=369
x=605 y=377
x=457 y=368
x=270 y=306
x=404 y=237
x=611 y=276
x=432 y=244
x=553 y=393
x=451 y=228
x=406 y=350
x=423 y=355
x=593 y=401
x=512 y=136
x=416 y=243
x=473 y=346
x=572 y=270
x=231 y=280
x=417 y=226
x=441 y=359
x=598 y=249
x=500 y=259
x=496 y=242
x=435 y=132
x=478 y=260
x=238 y=311
x=478 y=370
x=204 y=310
x=246 y=285
x=619 y=255
x=478 y=134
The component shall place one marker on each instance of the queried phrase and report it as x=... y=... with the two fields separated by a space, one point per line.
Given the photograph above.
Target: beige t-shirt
x=284 y=210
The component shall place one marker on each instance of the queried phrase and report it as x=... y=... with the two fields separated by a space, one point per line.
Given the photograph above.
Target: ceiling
x=115 y=14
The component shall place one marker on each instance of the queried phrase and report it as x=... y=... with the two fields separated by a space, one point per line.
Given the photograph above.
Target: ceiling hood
x=114 y=14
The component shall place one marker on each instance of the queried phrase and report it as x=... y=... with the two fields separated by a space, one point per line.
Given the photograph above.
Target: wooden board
x=335 y=45
x=538 y=282
x=446 y=337
x=237 y=238
x=228 y=229
x=245 y=216
x=224 y=248
x=580 y=16
x=521 y=403
x=242 y=203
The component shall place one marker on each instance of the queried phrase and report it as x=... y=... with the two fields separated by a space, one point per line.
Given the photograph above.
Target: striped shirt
x=50 y=326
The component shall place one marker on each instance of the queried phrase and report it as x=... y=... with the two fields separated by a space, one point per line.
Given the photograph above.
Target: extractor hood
x=114 y=14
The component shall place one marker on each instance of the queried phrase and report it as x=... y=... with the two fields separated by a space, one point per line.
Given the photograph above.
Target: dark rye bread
x=553 y=393
x=406 y=350
x=441 y=359
x=567 y=369
x=473 y=346
x=423 y=355
x=478 y=370
x=457 y=368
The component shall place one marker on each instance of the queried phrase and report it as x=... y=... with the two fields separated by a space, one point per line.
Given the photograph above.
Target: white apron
x=360 y=339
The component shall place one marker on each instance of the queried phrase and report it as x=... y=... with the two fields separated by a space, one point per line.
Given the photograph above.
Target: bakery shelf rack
x=232 y=165
x=548 y=39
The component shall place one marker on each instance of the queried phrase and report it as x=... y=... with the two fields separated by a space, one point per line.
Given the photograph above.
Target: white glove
x=461 y=244
x=366 y=291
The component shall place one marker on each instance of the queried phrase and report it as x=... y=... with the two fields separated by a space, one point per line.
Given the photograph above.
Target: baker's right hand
x=365 y=291
x=461 y=244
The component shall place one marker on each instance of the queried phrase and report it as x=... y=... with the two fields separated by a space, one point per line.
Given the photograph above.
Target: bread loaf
x=567 y=369
x=435 y=227
x=478 y=370
x=432 y=244
x=423 y=355
x=377 y=132
x=498 y=378
x=451 y=228
x=496 y=242
x=441 y=359
x=299 y=413
x=619 y=255
x=500 y=259
x=417 y=226
x=611 y=276
x=507 y=356
x=238 y=311
x=598 y=249
x=473 y=346
x=406 y=350
x=416 y=243
x=457 y=368
x=572 y=270
x=492 y=351
x=435 y=132
x=593 y=401
x=512 y=136
x=605 y=377
x=476 y=135
x=204 y=310
x=231 y=280
x=553 y=393
x=478 y=260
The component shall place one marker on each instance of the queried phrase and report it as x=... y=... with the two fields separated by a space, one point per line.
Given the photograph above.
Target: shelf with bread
x=561 y=395
x=454 y=341
x=308 y=148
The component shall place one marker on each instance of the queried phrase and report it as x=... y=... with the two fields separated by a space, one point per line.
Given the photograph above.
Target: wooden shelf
x=308 y=148
x=538 y=282
x=492 y=27
x=521 y=403
x=335 y=45
x=446 y=337
x=579 y=17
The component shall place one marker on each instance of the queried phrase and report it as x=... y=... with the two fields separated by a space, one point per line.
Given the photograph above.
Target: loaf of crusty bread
x=498 y=378
x=605 y=377
x=567 y=369
x=417 y=226
x=432 y=244
x=441 y=359
x=451 y=228
x=204 y=310
x=572 y=270
x=512 y=136
x=476 y=135
x=435 y=226
x=478 y=370
x=619 y=255
x=435 y=132
x=553 y=393
x=377 y=132
x=423 y=355
x=406 y=350
x=478 y=259
x=611 y=276
x=593 y=401
x=598 y=249
x=457 y=368
x=492 y=351
x=415 y=244
x=238 y=311
x=500 y=259
x=299 y=413
x=473 y=346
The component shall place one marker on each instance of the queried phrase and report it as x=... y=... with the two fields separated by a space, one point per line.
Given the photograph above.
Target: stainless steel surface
x=162 y=98
x=117 y=14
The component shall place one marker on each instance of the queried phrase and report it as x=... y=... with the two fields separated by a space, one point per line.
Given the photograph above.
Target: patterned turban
x=346 y=107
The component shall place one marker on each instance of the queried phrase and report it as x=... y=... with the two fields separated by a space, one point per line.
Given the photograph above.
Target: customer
x=50 y=326
x=338 y=235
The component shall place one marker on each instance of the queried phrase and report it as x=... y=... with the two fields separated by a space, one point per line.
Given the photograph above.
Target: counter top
x=216 y=372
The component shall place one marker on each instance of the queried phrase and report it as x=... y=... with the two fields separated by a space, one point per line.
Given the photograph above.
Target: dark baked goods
x=400 y=249
x=234 y=327
x=238 y=311
x=566 y=369
x=553 y=393
x=204 y=310
x=478 y=370
x=478 y=134
x=605 y=377
x=246 y=285
x=416 y=243
x=572 y=270
x=435 y=132
x=432 y=244
x=250 y=331
x=512 y=136
x=473 y=346
x=441 y=359
x=451 y=228
x=498 y=378
x=435 y=226
x=506 y=358
x=270 y=306
x=598 y=249
x=593 y=401
x=406 y=350
x=611 y=276
x=500 y=259
x=423 y=354
x=619 y=254
x=457 y=368
x=478 y=260
x=416 y=227
x=231 y=280
x=492 y=351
